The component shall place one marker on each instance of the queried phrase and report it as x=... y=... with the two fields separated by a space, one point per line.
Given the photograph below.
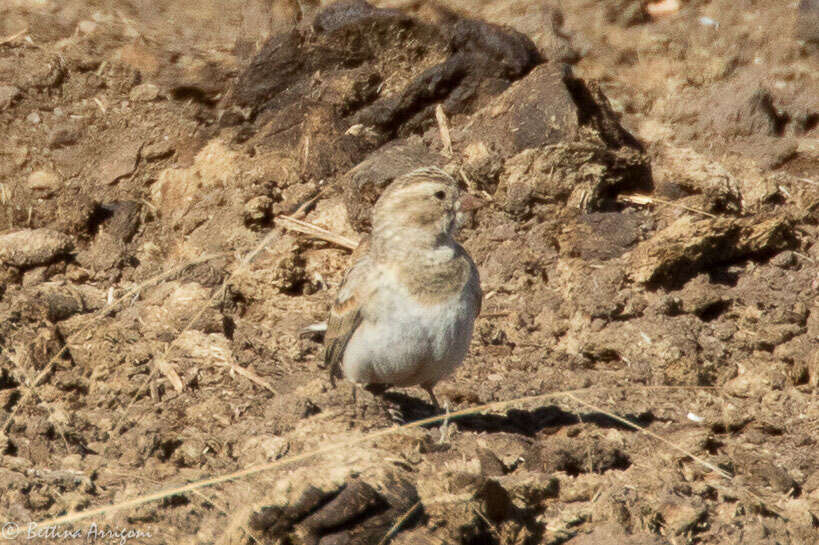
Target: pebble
x=157 y=150
x=257 y=210
x=784 y=260
x=61 y=137
x=807 y=21
x=87 y=27
x=145 y=92
x=663 y=8
x=7 y=95
x=47 y=74
x=33 y=118
x=32 y=247
x=120 y=162
x=43 y=180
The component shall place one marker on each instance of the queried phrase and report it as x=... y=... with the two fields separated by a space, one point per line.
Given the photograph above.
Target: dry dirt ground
x=643 y=186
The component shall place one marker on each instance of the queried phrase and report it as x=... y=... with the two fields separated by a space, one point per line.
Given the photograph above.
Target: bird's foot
x=391 y=409
x=395 y=413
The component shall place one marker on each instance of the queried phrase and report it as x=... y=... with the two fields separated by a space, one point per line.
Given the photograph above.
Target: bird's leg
x=356 y=412
x=445 y=424
x=435 y=403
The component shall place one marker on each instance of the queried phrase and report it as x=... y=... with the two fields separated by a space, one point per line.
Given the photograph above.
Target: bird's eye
x=440 y=195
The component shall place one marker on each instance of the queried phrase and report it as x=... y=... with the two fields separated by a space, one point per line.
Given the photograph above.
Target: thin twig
x=443 y=129
x=341 y=445
x=225 y=511
x=307 y=228
x=645 y=199
x=301 y=211
x=641 y=429
x=705 y=463
x=29 y=388
x=251 y=376
x=401 y=520
x=9 y=39
x=487 y=522
x=218 y=293
x=218 y=505
x=493 y=314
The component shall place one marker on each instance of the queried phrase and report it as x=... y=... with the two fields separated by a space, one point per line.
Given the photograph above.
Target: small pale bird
x=405 y=312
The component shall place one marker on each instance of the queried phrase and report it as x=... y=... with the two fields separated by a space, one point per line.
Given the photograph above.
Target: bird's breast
x=434 y=283
x=409 y=341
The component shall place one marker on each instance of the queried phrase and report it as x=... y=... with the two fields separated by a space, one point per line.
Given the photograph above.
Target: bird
x=405 y=311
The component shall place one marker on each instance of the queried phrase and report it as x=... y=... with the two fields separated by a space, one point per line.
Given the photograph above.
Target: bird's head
x=424 y=200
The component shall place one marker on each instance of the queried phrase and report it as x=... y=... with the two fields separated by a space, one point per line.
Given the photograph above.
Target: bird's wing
x=473 y=283
x=346 y=314
x=477 y=292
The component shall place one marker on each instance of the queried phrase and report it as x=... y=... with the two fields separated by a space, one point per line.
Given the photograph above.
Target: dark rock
x=342 y=63
x=348 y=12
x=807 y=21
x=491 y=466
x=512 y=51
x=120 y=219
x=497 y=502
x=535 y=111
x=345 y=35
x=62 y=136
x=601 y=235
x=157 y=150
x=118 y=162
x=543 y=24
x=574 y=457
x=484 y=59
x=258 y=211
x=364 y=183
